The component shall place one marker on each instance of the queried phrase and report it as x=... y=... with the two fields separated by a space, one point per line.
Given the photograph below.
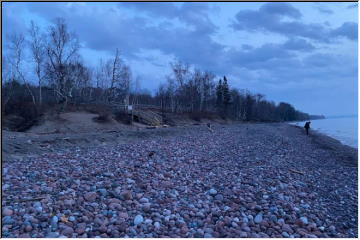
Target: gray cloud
x=133 y=35
x=268 y=54
x=269 y=18
x=280 y=9
x=194 y=14
x=348 y=30
x=166 y=9
x=298 y=44
x=246 y=47
x=261 y=54
x=325 y=10
x=354 y=5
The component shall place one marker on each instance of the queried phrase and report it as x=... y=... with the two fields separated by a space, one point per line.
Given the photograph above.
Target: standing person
x=307 y=126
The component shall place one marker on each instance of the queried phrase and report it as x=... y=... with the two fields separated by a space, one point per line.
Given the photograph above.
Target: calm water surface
x=342 y=129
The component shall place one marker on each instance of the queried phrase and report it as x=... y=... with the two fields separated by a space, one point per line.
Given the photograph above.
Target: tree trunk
x=40 y=96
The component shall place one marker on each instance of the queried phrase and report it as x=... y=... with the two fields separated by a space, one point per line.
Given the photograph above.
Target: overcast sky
x=301 y=53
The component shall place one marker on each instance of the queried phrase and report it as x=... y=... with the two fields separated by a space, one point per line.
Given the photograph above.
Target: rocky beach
x=241 y=180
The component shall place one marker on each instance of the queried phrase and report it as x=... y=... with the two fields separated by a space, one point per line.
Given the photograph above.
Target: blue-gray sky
x=301 y=53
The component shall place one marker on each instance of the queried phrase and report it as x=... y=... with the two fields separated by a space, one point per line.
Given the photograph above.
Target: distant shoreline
x=327 y=142
x=344 y=135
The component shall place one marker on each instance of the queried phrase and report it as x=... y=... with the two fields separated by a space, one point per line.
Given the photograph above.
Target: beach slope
x=239 y=180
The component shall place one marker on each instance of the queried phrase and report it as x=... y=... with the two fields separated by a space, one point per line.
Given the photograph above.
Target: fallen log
x=25 y=200
x=295 y=171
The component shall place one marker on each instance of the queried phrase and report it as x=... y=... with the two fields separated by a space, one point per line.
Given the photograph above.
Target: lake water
x=343 y=129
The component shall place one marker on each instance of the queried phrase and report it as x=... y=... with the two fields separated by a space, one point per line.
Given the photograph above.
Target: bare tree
x=38 y=50
x=62 y=49
x=98 y=74
x=115 y=69
x=206 y=90
x=171 y=91
x=120 y=78
x=16 y=47
x=103 y=79
x=6 y=68
x=79 y=78
x=178 y=80
x=125 y=81
x=136 y=90
x=116 y=73
x=7 y=79
x=181 y=71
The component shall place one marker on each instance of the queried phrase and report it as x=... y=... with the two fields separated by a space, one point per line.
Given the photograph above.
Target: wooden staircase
x=143 y=113
x=148 y=117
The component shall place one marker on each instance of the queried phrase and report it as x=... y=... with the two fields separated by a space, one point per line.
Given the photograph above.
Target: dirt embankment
x=81 y=129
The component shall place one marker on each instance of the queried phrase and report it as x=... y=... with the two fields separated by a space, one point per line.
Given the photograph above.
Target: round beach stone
x=156 y=225
x=258 y=218
x=304 y=220
x=144 y=200
x=126 y=195
x=7 y=212
x=90 y=196
x=68 y=231
x=138 y=219
x=212 y=191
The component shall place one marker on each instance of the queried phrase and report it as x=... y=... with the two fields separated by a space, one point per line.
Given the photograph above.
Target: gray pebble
x=304 y=220
x=212 y=192
x=138 y=219
x=258 y=218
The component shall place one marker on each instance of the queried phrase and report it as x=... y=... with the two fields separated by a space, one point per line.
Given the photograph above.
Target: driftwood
x=45 y=133
x=111 y=131
x=26 y=199
x=209 y=127
x=295 y=171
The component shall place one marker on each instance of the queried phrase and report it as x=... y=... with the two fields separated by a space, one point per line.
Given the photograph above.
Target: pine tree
x=225 y=93
x=226 y=97
x=219 y=94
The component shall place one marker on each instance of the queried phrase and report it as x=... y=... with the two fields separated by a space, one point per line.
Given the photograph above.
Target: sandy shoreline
x=269 y=180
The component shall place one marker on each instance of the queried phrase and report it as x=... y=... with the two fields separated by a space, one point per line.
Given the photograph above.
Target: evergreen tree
x=219 y=94
x=226 y=97
x=225 y=93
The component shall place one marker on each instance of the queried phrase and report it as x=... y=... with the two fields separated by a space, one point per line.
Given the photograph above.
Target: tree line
x=188 y=90
x=53 y=58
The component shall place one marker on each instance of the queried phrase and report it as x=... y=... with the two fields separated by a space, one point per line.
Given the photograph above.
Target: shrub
x=21 y=116
x=12 y=122
x=123 y=117
x=95 y=108
x=102 y=118
x=196 y=116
